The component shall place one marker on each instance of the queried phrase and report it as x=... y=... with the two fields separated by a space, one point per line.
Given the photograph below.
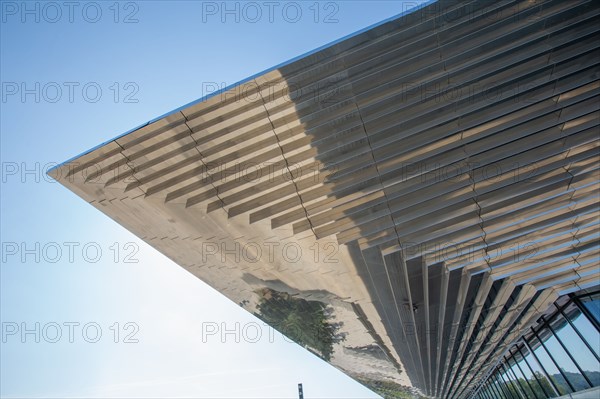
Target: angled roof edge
x=229 y=87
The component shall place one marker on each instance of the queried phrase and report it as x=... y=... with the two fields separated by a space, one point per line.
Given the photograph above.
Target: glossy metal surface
x=404 y=203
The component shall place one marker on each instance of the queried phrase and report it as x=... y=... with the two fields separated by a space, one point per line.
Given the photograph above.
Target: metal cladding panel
x=402 y=203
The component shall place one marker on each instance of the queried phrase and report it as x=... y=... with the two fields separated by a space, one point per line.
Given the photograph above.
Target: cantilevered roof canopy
x=404 y=202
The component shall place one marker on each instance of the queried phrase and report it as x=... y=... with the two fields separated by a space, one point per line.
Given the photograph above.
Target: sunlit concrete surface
x=405 y=202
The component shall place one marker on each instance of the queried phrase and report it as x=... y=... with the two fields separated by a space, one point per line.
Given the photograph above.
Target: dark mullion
x=569 y=354
x=524 y=376
x=552 y=384
x=483 y=392
x=554 y=361
x=499 y=388
x=533 y=372
x=587 y=313
x=489 y=392
x=501 y=383
x=492 y=390
x=508 y=382
x=517 y=383
x=581 y=336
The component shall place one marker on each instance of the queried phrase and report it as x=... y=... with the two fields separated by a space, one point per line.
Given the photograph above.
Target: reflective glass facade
x=559 y=356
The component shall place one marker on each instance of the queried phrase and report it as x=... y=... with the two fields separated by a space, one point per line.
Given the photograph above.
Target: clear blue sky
x=75 y=75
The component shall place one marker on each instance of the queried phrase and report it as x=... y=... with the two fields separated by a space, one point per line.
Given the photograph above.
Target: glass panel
x=585 y=327
x=533 y=382
x=539 y=374
x=481 y=393
x=566 y=365
x=553 y=373
x=582 y=355
x=491 y=390
x=502 y=387
x=521 y=379
x=592 y=303
x=566 y=360
x=510 y=385
x=513 y=378
x=496 y=389
x=485 y=389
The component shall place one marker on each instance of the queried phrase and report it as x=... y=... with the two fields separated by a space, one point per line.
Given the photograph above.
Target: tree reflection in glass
x=305 y=322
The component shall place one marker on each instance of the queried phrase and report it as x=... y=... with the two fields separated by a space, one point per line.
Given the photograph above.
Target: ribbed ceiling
x=452 y=153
